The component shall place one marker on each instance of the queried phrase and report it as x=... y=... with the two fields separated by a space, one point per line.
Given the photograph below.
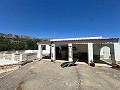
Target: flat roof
x=84 y=38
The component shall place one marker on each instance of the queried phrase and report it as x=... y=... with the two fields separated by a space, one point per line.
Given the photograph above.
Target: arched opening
x=105 y=54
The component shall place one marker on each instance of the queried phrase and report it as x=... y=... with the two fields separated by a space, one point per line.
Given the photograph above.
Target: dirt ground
x=45 y=75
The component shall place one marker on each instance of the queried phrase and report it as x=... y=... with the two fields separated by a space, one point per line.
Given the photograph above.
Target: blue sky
x=60 y=18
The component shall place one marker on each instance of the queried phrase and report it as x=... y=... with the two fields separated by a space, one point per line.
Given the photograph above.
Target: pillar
x=70 y=52
x=90 y=53
x=53 y=53
x=39 y=54
x=115 y=53
x=101 y=54
x=112 y=54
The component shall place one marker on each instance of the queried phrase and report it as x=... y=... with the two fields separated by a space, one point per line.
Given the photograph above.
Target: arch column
x=112 y=55
x=115 y=53
x=70 y=52
x=90 y=53
x=101 y=54
x=53 y=53
x=39 y=54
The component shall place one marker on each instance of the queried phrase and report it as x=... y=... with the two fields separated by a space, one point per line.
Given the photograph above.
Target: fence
x=17 y=56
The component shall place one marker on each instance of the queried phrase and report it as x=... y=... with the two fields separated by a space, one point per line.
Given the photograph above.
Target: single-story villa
x=90 y=48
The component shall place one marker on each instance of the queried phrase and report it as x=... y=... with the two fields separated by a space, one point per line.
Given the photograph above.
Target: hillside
x=18 y=42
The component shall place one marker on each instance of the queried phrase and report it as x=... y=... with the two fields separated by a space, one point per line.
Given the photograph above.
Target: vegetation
x=15 y=42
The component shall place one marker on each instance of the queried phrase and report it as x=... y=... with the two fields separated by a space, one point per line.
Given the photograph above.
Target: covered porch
x=85 y=49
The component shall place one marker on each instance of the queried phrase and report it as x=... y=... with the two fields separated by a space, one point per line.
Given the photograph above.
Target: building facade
x=90 y=48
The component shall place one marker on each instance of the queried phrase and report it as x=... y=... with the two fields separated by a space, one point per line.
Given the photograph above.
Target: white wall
x=31 y=51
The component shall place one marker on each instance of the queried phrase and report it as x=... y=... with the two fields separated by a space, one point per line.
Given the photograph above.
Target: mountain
x=18 y=42
x=15 y=36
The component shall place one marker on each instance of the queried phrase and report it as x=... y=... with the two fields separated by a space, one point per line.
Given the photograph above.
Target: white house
x=94 y=47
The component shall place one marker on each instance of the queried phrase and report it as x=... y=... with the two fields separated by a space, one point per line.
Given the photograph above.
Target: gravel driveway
x=44 y=75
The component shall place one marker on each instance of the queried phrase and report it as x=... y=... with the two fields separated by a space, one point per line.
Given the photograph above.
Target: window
x=44 y=47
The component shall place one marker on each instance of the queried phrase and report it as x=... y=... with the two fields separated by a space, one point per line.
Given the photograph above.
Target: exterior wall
x=80 y=48
x=96 y=49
